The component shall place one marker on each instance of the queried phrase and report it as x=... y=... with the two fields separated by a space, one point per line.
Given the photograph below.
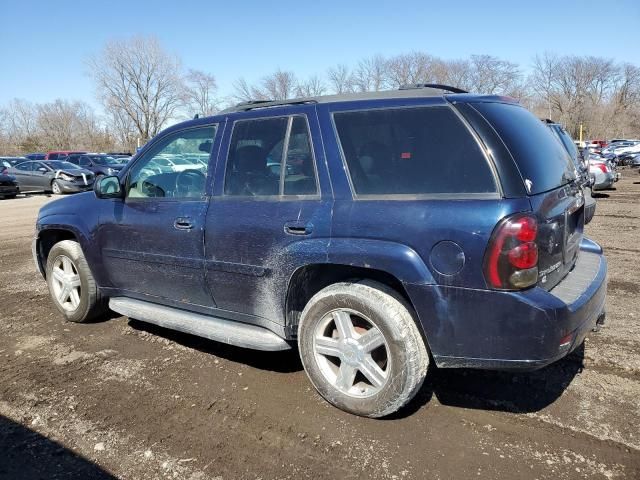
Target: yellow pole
x=580 y=132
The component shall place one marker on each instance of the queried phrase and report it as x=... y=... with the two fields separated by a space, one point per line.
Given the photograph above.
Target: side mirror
x=108 y=187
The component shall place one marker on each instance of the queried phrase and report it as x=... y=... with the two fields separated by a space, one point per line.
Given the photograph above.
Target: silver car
x=52 y=176
x=602 y=176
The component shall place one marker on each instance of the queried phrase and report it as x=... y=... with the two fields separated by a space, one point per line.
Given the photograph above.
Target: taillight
x=511 y=260
x=602 y=167
x=4 y=171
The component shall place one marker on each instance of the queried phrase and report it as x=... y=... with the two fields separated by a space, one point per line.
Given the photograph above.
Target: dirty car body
x=438 y=197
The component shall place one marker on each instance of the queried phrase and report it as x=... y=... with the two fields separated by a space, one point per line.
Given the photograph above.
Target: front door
x=271 y=207
x=152 y=242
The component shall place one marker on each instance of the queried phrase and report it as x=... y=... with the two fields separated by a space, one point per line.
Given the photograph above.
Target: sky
x=44 y=45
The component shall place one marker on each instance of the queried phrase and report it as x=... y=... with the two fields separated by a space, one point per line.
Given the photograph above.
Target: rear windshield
x=543 y=162
x=412 y=151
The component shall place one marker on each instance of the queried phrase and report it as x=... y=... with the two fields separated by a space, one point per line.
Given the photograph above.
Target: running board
x=213 y=328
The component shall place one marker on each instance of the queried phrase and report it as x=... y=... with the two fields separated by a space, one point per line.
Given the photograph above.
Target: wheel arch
x=309 y=279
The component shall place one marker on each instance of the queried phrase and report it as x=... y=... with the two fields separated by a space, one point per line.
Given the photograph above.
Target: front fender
x=71 y=223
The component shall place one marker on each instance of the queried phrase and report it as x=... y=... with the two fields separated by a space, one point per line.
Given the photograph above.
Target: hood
x=75 y=172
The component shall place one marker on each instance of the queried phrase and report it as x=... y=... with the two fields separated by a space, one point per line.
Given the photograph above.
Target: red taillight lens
x=602 y=167
x=511 y=261
x=4 y=171
x=524 y=256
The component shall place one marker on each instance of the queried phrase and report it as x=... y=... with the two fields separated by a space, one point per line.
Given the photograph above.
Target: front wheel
x=361 y=348
x=71 y=285
x=56 y=188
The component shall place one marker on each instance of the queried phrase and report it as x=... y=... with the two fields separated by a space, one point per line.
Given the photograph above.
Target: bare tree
x=200 y=93
x=340 y=79
x=280 y=85
x=410 y=68
x=491 y=75
x=371 y=74
x=139 y=78
x=243 y=92
x=312 y=87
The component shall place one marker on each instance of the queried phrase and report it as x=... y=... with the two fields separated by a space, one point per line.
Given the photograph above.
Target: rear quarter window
x=411 y=151
x=543 y=162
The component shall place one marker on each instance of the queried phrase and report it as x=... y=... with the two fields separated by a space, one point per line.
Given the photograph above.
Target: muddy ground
x=128 y=400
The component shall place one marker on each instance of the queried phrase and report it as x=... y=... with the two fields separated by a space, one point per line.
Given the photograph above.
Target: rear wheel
x=71 y=285
x=362 y=349
x=56 y=187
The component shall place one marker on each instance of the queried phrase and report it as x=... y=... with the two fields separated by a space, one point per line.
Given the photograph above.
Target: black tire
x=56 y=188
x=405 y=350
x=91 y=304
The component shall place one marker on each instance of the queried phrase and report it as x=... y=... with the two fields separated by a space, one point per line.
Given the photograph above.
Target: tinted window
x=154 y=175
x=299 y=172
x=412 y=151
x=543 y=162
x=262 y=162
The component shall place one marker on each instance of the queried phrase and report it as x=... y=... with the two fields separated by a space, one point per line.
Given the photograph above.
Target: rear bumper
x=9 y=190
x=605 y=181
x=513 y=330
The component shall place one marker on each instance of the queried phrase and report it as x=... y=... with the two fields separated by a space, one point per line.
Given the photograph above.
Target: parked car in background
x=35 y=156
x=59 y=154
x=635 y=161
x=397 y=240
x=13 y=160
x=603 y=177
x=580 y=163
x=52 y=176
x=9 y=187
x=99 y=164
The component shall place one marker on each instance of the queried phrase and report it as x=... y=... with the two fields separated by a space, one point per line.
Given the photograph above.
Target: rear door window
x=271 y=157
x=412 y=151
x=543 y=162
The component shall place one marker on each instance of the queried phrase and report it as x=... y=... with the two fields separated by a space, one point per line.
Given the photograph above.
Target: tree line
x=142 y=89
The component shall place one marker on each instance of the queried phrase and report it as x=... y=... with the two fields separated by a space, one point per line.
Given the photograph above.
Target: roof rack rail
x=253 y=104
x=437 y=86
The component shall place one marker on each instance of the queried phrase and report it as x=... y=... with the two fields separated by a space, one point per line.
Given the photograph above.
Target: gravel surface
x=122 y=399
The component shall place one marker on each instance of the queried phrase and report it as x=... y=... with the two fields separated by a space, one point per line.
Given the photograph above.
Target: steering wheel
x=190 y=183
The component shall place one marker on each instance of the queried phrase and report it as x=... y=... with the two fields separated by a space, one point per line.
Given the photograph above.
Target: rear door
x=550 y=177
x=272 y=197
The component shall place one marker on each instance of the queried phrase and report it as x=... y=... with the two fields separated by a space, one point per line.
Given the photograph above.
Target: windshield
x=58 y=165
x=543 y=161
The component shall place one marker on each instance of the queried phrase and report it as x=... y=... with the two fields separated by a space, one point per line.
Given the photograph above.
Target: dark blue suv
x=378 y=231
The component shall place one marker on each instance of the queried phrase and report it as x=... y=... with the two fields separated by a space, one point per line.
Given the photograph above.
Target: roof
x=407 y=91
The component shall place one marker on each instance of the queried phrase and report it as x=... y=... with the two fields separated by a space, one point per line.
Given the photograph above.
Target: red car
x=59 y=154
x=602 y=143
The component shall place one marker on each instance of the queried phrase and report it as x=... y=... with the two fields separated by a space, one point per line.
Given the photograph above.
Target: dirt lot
x=127 y=400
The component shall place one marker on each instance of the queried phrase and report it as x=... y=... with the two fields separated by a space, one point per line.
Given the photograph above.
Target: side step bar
x=213 y=328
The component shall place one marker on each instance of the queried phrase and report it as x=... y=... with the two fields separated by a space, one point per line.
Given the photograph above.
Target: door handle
x=183 y=223
x=298 y=228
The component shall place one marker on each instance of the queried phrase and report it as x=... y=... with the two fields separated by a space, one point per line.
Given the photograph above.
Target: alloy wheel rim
x=351 y=353
x=66 y=283
x=56 y=188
